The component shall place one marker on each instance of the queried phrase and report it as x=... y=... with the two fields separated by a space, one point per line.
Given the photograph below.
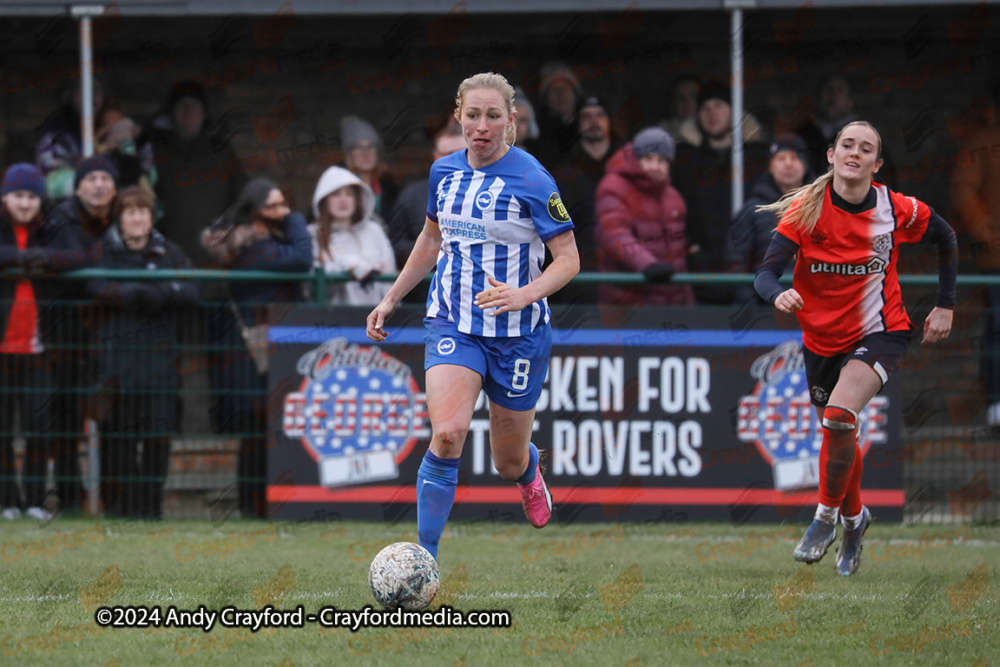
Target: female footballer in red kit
x=845 y=231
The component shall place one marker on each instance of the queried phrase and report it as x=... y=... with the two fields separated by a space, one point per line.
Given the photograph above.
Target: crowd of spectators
x=657 y=202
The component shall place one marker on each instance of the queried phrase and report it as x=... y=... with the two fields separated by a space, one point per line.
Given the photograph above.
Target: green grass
x=669 y=603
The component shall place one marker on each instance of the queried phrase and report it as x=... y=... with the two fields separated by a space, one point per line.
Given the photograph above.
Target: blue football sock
x=529 y=475
x=436 y=482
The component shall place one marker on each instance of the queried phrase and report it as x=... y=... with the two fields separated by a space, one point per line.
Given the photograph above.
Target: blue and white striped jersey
x=494 y=221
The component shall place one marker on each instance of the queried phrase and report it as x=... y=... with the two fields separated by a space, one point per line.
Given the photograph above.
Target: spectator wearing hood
x=198 y=170
x=640 y=223
x=703 y=174
x=364 y=155
x=751 y=230
x=33 y=248
x=347 y=237
x=259 y=232
x=138 y=340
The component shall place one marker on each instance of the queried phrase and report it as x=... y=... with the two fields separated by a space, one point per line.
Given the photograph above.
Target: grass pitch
x=586 y=594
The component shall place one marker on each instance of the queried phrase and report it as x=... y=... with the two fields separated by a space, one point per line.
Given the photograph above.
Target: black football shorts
x=883 y=351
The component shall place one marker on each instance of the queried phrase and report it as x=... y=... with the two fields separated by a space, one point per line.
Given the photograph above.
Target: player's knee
x=509 y=470
x=450 y=440
x=837 y=418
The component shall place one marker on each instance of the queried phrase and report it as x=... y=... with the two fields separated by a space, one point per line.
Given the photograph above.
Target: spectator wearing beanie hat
x=577 y=178
x=364 y=156
x=25 y=177
x=141 y=382
x=641 y=223
x=751 y=230
x=26 y=323
x=94 y=206
x=86 y=216
x=703 y=174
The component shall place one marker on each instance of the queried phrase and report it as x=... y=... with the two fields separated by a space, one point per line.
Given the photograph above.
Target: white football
x=404 y=575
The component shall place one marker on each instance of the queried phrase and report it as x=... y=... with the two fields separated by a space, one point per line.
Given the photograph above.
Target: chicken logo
x=778 y=417
x=358 y=412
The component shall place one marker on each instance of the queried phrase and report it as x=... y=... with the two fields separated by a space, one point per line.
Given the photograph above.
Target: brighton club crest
x=778 y=417
x=358 y=412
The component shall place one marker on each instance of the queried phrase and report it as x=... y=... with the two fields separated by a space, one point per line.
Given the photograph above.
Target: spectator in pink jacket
x=641 y=223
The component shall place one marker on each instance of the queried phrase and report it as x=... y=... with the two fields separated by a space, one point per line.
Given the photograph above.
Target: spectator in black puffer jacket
x=137 y=341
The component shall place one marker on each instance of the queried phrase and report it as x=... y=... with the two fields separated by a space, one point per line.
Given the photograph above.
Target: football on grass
x=404 y=575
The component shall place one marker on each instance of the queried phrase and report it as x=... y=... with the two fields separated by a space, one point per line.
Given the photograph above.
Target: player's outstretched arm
x=419 y=264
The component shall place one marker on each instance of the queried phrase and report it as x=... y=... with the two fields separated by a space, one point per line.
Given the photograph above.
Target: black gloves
x=145 y=297
x=369 y=279
x=364 y=274
x=658 y=272
x=151 y=298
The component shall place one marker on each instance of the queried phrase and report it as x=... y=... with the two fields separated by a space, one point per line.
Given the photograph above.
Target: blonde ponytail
x=810 y=198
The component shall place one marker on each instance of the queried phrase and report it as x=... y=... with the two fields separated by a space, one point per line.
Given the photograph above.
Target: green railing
x=319 y=280
x=944 y=443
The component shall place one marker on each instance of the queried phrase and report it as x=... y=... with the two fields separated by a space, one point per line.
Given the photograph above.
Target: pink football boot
x=537 y=500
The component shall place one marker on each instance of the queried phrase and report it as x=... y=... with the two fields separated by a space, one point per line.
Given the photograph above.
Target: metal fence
x=153 y=410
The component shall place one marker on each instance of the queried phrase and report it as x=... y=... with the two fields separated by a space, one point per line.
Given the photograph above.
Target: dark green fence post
x=319 y=286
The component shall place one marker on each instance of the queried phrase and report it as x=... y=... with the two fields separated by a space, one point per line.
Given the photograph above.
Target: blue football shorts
x=513 y=368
